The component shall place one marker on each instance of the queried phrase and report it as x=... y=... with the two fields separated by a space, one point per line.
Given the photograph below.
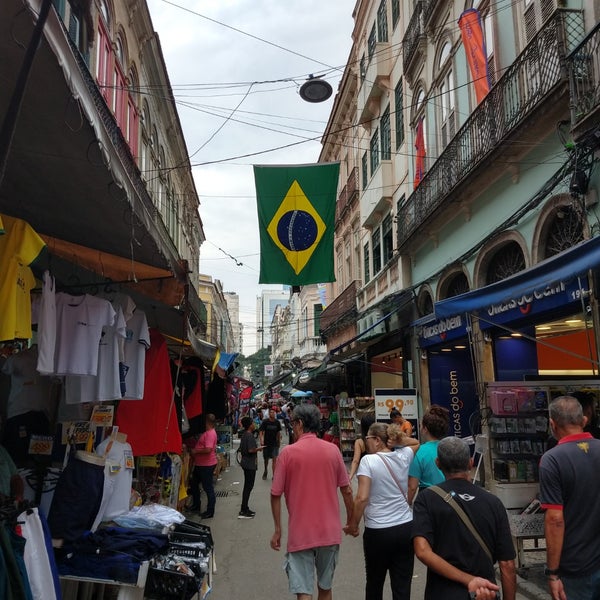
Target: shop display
x=518 y=430
x=347 y=426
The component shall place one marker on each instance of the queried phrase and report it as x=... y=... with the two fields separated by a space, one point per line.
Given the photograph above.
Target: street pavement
x=247 y=567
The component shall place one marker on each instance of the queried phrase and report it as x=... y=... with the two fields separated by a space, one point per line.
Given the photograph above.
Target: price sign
x=404 y=400
x=41 y=444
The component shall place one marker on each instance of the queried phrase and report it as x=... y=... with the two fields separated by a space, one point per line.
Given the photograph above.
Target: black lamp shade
x=315 y=90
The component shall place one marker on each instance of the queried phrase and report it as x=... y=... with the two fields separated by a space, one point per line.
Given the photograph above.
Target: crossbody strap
x=385 y=462
x=448 y=497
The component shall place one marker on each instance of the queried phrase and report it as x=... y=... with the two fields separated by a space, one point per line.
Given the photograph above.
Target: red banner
x=420 y=158
x=472 y=37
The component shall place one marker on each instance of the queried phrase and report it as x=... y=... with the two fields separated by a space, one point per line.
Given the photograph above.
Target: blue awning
x=565 y=267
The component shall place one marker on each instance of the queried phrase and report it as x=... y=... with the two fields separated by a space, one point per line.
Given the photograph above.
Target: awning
x=400 y=302
x=568 y=265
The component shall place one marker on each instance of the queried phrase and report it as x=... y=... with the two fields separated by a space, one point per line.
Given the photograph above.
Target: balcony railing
x=584 y=72
x=522 y=88
x=348 y=194
x=343 y=305
x=414 y=32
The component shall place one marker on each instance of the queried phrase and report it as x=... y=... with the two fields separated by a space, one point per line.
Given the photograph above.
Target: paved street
x=246 y=565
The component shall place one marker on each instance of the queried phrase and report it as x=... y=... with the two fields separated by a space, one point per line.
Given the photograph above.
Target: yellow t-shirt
x=19 y=247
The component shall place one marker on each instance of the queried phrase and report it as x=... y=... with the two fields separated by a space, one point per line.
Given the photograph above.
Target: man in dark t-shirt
x=270 y=438
x=456 y=562
x=569 y=490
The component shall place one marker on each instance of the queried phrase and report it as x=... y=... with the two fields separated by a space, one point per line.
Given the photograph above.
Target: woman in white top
x=381 y=498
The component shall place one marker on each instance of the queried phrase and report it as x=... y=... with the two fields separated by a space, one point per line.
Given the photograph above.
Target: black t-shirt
x=247 y=443
x=438 y=523
x=271 y=429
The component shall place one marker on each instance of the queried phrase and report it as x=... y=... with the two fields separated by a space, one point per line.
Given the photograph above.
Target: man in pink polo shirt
x=309 y=472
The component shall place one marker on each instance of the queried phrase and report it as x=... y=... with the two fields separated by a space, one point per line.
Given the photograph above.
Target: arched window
x=419 y=129
x=131 y=130
x=446 y=94
x=507 y=261
x=457 y=285
x=104 y=52
x=565 y=230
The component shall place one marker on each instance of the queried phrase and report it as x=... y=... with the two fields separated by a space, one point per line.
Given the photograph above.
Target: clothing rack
x=106 y=284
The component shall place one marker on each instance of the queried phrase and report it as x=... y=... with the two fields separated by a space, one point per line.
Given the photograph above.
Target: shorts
x=300 y=568
x=270 y=452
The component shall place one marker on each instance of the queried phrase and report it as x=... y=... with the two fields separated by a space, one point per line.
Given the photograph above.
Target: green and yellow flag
x=296 y=217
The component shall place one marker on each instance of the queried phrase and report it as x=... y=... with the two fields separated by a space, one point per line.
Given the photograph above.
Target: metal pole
x=11 y=117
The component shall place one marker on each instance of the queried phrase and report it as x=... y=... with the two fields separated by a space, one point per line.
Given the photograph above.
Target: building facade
x=113 y=194
x=458 y=193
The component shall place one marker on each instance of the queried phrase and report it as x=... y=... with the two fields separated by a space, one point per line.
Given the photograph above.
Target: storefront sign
x=533 y=303
x=405 y=400
x=437 y=332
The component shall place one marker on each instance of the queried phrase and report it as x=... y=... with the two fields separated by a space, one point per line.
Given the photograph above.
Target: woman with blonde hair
x=381 y=499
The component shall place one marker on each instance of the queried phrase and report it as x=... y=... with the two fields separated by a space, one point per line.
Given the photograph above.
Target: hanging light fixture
x=315 y=89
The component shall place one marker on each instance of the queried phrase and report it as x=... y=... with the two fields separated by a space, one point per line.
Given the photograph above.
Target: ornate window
x=565 y=231
x=507 y=261
x=457 y=285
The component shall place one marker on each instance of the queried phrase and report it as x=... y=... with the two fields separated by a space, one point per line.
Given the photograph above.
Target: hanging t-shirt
x=46 y=320
x=19 y=247
x=151 y=424
x=105 y=385
x=79 y=323
x=29 y=391
x=137 y=342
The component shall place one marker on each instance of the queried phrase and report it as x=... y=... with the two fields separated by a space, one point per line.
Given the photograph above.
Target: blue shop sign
x=534 y=303
x=439 y=331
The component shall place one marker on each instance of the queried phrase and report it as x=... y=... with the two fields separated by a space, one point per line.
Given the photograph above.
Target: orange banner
x=420 y=158
x=472 y=37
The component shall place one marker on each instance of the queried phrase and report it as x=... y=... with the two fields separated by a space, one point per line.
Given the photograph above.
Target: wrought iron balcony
x=584 y=73
x=344 y=306
x=523 y=88
x=415 y=33
x=347 y=195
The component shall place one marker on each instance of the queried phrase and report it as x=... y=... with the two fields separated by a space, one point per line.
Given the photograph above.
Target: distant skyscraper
x=233 y=307
x=266 y=304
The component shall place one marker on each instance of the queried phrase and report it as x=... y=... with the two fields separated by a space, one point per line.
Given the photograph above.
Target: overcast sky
x=235 y=67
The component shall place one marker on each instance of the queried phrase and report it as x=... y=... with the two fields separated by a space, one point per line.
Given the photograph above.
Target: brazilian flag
x=296 y=216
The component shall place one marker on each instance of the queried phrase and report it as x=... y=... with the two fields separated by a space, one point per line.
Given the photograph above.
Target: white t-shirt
x=118 y=476
x=387 y=506
x=137 y=341
x=79 y=323
x=106 y=384
x=46 y=320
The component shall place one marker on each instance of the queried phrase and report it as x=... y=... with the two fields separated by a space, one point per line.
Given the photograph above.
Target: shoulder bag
x=448 y=497
x=385 y=462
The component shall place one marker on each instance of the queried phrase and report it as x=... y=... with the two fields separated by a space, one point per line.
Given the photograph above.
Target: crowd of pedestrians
x=416 y=499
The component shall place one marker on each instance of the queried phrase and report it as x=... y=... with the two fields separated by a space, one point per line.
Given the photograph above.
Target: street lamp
x=315 y=89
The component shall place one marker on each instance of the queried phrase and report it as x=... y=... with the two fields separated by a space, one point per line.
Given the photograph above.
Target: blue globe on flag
x=297 y=230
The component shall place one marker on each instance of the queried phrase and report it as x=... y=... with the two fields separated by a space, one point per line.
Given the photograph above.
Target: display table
x=89 y=588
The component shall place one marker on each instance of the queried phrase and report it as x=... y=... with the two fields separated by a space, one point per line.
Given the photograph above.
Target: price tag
x=41 y=445
x=102 y=415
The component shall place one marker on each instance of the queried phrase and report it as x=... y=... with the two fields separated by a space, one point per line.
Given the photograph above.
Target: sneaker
x=207 y=515
x=251 y=512
x=245 y=515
